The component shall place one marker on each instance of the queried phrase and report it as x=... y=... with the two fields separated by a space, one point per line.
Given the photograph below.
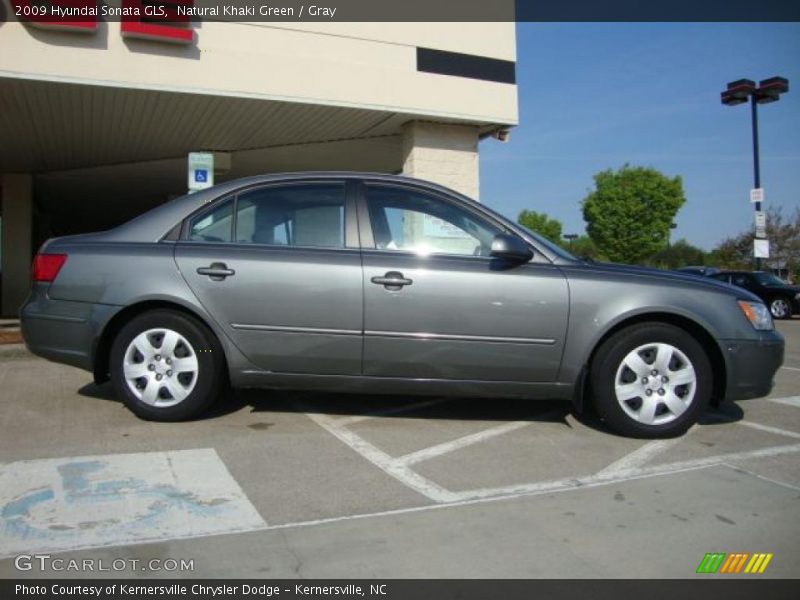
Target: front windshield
x=768 y=279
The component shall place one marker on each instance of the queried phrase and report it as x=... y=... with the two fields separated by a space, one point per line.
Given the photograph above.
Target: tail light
x=47 y=266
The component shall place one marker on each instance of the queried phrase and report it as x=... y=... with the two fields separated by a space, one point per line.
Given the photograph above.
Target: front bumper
x=752 y=365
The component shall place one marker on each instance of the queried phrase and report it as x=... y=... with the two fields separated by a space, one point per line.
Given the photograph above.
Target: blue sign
x=200 y=173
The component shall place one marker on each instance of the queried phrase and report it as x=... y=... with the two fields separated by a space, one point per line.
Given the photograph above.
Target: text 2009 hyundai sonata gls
x=363 y=282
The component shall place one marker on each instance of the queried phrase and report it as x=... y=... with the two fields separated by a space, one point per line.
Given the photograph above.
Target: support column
x=16 y=193
x=442 y=153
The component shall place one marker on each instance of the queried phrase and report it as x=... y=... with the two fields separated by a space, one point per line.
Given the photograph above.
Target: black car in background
x=782 y=299
x=700 y=270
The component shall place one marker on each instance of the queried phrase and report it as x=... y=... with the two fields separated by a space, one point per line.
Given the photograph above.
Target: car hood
x=673 y=278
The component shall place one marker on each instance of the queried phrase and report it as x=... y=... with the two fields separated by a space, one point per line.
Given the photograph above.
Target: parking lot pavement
x=280 y=484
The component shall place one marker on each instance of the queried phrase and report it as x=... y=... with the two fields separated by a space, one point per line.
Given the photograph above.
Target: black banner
x=182 y=11
x=551 y=589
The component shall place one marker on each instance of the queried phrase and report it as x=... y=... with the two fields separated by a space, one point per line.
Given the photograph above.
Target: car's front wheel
x=166 y=366
x=651 y=380
x=781 y=308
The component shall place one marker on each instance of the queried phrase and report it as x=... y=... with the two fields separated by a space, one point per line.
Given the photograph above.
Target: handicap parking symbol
x=79 y=503
x=67 y=503
x=201 y=175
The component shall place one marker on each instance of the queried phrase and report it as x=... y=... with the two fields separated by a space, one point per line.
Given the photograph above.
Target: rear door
x=278 y=266
x=438 y=306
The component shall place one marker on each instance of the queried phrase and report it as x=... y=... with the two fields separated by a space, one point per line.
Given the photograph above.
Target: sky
x=594 y=96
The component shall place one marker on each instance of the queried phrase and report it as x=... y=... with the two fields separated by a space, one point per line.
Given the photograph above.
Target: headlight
x=797 y=296
x=757 y=314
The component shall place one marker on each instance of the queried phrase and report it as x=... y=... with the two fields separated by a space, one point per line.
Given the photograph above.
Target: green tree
x=735 y=253
x=583 y=247
x=541 y=224
x=783 y=231
x=628 y=215
x=679 y=254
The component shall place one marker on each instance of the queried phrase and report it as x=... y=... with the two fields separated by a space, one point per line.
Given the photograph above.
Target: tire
x=654 y=408
x=142 y=368
x=780 y=307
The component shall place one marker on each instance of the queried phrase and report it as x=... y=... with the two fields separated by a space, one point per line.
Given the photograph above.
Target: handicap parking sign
x=201 y=170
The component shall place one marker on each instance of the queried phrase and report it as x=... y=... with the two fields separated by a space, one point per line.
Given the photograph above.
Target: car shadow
x=409 y=407
x=726 y=412
x=228 y=402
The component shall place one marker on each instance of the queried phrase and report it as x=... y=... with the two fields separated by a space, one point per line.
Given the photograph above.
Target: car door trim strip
x=397 y=334
x=307 y=330
x=461 y=338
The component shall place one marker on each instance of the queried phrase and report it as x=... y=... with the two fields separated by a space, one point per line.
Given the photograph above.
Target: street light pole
x=756 y=161
x=768 y=90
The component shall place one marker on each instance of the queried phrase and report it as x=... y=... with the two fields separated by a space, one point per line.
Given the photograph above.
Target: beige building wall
x=445 y=154
x=365 y=65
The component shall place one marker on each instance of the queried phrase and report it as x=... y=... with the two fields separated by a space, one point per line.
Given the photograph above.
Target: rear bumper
x=752 y=365
x=63 y=331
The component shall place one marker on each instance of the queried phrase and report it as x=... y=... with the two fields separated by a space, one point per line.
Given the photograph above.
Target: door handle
x=216 y=271
x=393 y=280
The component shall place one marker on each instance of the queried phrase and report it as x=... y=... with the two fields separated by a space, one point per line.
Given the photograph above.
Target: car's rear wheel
x=166 y=366
x=781 y=308
x=651 y=380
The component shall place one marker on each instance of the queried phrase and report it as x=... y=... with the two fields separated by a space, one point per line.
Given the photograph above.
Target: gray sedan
x=372 y=283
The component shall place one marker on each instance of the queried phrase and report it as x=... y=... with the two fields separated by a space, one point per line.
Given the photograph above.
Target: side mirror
x=511 y=248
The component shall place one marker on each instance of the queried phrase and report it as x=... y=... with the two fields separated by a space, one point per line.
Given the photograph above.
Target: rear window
x=298 y=215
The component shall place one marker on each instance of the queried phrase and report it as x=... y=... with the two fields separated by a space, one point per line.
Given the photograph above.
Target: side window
x=293 y=215
x=214 y=225
x=411 y=221
x=741 y=280
x=724 y=277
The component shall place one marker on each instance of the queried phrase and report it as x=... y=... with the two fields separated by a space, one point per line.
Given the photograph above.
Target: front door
x=436 y=305
x=272 y=266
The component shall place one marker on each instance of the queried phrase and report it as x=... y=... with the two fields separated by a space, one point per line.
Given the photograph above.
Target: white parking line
x=640 y=456
x=383 y=461
x=790 y=368
x=619 y=476
x=551 y=487
x=790 y=401
x=764 y=478
x=394 y=410
x=462 y=442
x=565 y=485
x=758 y=426
x=770 y=429
x=628 y=467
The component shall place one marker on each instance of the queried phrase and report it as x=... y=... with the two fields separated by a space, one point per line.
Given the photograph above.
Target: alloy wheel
x=779 y=308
